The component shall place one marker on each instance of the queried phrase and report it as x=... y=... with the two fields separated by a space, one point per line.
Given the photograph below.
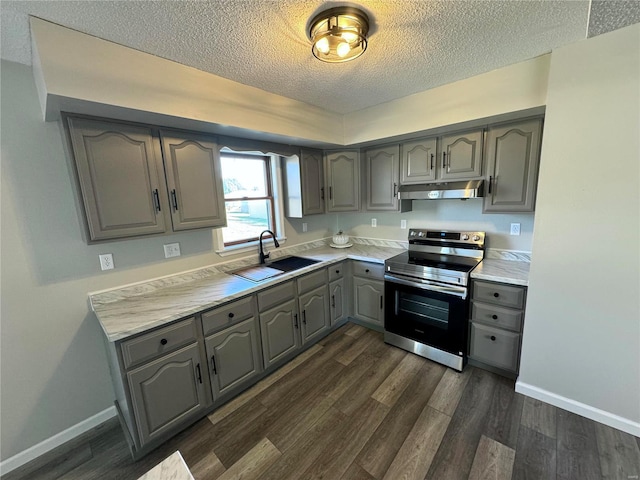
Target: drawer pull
x=163 y=341
x=338 y=272
x=493 y=338
x=231 y=315
x=213 y=360
x=496 y=294
x=366 y=271
x=495 y=317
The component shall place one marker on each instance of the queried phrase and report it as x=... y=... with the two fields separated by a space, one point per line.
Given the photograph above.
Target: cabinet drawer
x=336 y=271
x=227 y=315
x=497 y=316
x=311 y=281
x=147 y=347
x=368 y=270
x=496 y=347
x=498 y=294
x=275 y=295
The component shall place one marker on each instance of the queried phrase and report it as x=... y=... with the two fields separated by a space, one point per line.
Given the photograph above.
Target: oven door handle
x=427 y=285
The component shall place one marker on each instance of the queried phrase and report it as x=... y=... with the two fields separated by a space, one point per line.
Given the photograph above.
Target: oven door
x=427 y=312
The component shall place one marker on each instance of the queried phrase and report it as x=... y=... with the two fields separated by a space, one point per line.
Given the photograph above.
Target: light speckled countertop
x=504 y=271
x=135 y=309
x=171 y=468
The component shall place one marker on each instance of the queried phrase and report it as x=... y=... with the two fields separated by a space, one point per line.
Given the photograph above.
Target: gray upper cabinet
x=418 y=162
x=461 y=156
x=304 y=184
x=194 y=180
x=167 y=392
x=342 y=173
x=513 y=156
x=235 y=357
x=121 y=178
x=382 y=167
x=312 y=182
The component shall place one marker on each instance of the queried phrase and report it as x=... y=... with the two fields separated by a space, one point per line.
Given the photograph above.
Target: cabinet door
x=234 y=354
x=461 y=156
x=337 y=297
x=382 y=178
x=418 y=162
x=194 y=181
x=312 y=182
x=314 y=312
x=166 y=392
x=513 y=155
x=368 y=300
x=121 y=178
x=279 y=328
x=342 y=170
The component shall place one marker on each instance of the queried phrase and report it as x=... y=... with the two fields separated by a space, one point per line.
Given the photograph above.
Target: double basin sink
x=258 y=273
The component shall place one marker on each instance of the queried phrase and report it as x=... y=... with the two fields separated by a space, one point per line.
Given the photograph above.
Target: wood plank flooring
x=354 y=408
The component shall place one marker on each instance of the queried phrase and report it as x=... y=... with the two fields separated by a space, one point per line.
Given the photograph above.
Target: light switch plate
x=106 y=261
x=171 y=250
x=403 y=224
x=305 y=226
x=515 y=229
x=374 y=222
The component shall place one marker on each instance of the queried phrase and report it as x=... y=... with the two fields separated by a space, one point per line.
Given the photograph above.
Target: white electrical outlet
x=403 y=224
x=106 y=261
x=515 y=229
x=305 y=227
x=171 y=250
x=374 y=222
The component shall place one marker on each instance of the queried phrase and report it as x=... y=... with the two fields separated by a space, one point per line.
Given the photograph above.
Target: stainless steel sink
x=259 y=273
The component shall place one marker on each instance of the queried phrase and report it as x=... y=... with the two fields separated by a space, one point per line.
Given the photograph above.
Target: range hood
x=437 y=191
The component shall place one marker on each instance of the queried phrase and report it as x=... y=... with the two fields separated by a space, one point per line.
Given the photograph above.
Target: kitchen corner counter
x=504 y=271
x=135 y=309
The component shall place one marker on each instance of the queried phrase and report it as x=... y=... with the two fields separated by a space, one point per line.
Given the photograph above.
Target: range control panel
x=476 y=238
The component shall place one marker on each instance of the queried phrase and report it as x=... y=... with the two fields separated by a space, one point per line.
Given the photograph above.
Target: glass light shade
x=339 y=34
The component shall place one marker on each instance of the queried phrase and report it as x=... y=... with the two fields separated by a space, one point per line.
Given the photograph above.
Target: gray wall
x=444 y=215
x=582 y=324
x=53 y=366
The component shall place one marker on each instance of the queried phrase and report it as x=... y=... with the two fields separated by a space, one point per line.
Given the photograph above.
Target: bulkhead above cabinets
x=137 y=180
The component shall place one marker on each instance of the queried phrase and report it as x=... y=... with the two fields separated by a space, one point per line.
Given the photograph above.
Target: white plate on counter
x=344 y=245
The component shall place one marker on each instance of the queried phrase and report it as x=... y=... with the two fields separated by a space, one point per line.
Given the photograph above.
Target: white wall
x=53 y=366
x=582 y=327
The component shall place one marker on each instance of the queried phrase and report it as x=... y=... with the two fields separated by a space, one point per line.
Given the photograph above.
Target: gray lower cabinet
x=368 y=293
x=194 y=180
x=495 y=332
x=121 y=178
x=235 y=357
x=342 y=181
x=513 y=159
x=134 y=184
x=279 y=329
x=167 y=392
x=314 y=312
x=337 y=299
x=382 y=176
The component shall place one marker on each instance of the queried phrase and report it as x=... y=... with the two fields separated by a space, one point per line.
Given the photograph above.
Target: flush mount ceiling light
x=339 y=34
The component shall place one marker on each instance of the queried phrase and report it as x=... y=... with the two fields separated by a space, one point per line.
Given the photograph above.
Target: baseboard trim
x=579 y=408
x=50 y=443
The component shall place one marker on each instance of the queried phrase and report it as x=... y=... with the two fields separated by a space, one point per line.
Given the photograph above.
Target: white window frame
x=278 y=214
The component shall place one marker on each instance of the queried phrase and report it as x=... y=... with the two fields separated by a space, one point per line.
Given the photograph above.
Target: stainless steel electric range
x=426 y=288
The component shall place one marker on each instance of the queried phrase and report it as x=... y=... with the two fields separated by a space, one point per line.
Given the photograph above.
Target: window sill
x=250 y=247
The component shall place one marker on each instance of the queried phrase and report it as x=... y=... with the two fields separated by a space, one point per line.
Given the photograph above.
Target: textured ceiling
x=415 y=45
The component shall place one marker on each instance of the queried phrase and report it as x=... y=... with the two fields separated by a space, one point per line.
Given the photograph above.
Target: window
x=248 y=196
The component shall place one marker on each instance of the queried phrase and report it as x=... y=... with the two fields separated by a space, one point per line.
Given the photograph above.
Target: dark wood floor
x=354 y=408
